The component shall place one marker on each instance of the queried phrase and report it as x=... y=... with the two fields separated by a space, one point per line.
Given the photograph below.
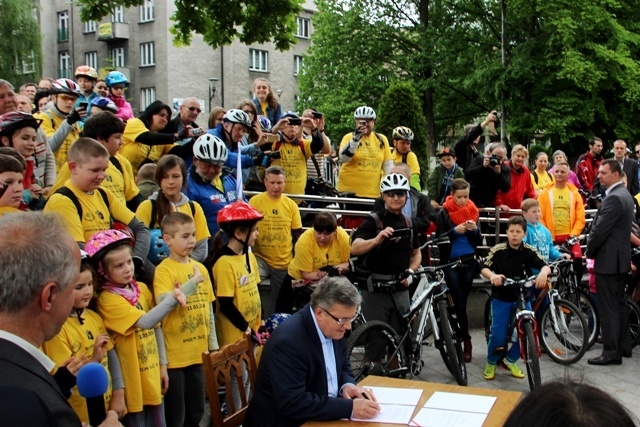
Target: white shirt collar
x=608 y=190
x=47 y=363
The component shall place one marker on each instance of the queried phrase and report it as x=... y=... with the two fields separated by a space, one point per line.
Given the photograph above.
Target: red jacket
x=587 y=169
x=521 y=188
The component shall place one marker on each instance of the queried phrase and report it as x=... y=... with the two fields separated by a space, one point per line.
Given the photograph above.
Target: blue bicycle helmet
x=265 y=123
x=158 y=249
x=272 y=322
x=105 y=104
x=115 y=78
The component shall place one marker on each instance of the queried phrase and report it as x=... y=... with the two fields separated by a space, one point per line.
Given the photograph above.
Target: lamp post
x=212 y=89
x=279 y=92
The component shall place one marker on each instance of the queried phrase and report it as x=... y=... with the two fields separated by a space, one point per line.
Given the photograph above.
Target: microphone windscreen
x=92 y=380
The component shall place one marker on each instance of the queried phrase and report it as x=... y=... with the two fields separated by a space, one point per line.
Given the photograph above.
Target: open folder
x=454 y=410
x=396 y=405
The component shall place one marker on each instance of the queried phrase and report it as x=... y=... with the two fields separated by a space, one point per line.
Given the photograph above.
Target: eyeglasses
x=324 y=230
x=195 y=109
x=396 y=193
x=67 y=98
x=343 y=320
x=637 y=151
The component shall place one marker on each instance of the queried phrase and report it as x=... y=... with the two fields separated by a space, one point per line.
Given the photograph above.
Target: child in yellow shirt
x=84 y=336
x=188 y=331
x=126 y=306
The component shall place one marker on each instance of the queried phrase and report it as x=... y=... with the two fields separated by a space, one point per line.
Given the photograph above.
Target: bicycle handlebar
x=522 y=282
x=435 y=241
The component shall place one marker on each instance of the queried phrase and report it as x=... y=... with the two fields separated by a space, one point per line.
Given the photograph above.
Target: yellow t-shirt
x=561 y=211
x=275 y=244
x=121 y=184
x=7 y=210
x=185 y=330
x=96 y=214
x=232 y=279
x=544 y=179
x=137 y=348
x=263 y=109
x=363 y=173
x=294 y=163
x=143 y=213
x=412 y=161
x=134 y=151
x=310 y=256
x=75 y=339
x=50 y=124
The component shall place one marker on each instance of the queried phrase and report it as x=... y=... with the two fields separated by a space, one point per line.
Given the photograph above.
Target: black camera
x=495 y=160
x=401 y=232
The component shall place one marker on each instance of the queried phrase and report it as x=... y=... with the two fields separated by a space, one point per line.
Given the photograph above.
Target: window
x=297 y=64
x=303 y=28
x=147 y=54
x=91 y=59
x=118 y=14
x=63 y=26
x=64 y=65
x=258 y=60
x=117 y=57
x=26 y=65
x=147 y=96
x=89 y=27
x=146 y=11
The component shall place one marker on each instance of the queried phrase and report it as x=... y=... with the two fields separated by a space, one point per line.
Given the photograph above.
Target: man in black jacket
x=466 y=147
x=487 y=175
x=186 y=121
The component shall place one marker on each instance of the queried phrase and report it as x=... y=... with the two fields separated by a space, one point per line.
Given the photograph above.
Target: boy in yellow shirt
x=86 y=208
x=107 y=128
x=188 y=331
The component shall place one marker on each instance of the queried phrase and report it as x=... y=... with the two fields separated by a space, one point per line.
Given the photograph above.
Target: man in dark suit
x=304 y=372
x=610 y=247
x=39 y=266
x=629 y=166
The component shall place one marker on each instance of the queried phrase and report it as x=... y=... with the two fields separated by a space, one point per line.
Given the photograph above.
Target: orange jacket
x=576 y=212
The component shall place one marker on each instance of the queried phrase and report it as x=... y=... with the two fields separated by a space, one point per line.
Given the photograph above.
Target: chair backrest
x=219 y=368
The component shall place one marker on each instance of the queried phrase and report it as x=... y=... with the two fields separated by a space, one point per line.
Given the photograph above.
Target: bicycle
x=374 y=348
x=522 y=325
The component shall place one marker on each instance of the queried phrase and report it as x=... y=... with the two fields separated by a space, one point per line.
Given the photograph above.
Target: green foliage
x=20 y=43
x=400 y=106
x=219 y=21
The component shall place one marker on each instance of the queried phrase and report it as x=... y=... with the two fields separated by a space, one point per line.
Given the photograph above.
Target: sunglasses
x=67 y=97
x=324 y=230
x=396 y=193
x=195 y=109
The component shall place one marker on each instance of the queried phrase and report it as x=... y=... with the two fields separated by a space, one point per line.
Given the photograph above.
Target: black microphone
x=93 y=382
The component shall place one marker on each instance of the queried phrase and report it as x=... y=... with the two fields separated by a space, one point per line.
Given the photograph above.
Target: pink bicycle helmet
x=103 y=241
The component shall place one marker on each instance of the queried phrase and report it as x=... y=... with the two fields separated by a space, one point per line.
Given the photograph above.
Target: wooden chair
x=219 y=368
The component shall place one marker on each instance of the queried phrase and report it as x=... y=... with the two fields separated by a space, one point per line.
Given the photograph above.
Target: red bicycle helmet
x=238 y=211
x=10 y=122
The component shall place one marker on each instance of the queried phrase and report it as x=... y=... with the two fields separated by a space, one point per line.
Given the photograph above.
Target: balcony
x=112 y=31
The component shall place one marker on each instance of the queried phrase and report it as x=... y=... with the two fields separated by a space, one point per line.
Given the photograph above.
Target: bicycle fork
x=528 y=316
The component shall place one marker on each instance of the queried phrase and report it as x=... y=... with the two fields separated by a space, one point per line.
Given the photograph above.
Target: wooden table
x=505 y=402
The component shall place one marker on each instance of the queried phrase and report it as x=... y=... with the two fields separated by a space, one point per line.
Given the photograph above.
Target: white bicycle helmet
x=403 y=133
x=237 y=116
x=364 y=112
x=210 y=148
x=66 y=86
x=394 y=181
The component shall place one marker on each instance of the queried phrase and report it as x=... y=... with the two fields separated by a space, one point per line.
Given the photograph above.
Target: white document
x=454 y=410
x=396 y=405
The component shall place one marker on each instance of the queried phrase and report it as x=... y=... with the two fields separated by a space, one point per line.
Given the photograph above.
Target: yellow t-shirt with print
x=50 y=124
x=75 y=339
x=143 y=213
x=412 y=162
x=137 y=348
x=134 y=151
x=544 y=179
x=232 y=279
x=121 y=184
x=275 y=244
x=561 y=211
x=294 y=162
x=8 y=210
x=362 y=175
x=185 y=330
x=309 y=256
x=96 y=215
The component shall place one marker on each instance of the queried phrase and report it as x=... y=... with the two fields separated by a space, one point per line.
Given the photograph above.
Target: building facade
x=137 y=42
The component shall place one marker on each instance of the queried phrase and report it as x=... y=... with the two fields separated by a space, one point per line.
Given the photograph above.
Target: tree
x=400 y=106
x=20 y=43
x=218 y=21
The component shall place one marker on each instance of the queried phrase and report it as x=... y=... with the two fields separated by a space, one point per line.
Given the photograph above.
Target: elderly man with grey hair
x=304 y=371
x=39 y=265
x=184 y=124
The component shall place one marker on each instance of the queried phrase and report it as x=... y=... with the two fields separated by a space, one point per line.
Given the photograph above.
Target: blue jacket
x=232 y=159
x=209 y=197
x=539 y=237
x=272 y=114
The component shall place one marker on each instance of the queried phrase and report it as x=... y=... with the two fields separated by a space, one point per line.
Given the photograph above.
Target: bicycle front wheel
x=374 y=349
x=530 y=357
x=451 y=347
x=564 y=332
x=634 y=322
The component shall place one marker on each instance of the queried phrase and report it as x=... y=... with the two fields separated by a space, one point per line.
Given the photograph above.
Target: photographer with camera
x=388 y=241
x=466 y=148
x=487 y=175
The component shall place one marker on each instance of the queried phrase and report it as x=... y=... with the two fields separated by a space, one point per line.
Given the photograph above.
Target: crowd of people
x=173 y=253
